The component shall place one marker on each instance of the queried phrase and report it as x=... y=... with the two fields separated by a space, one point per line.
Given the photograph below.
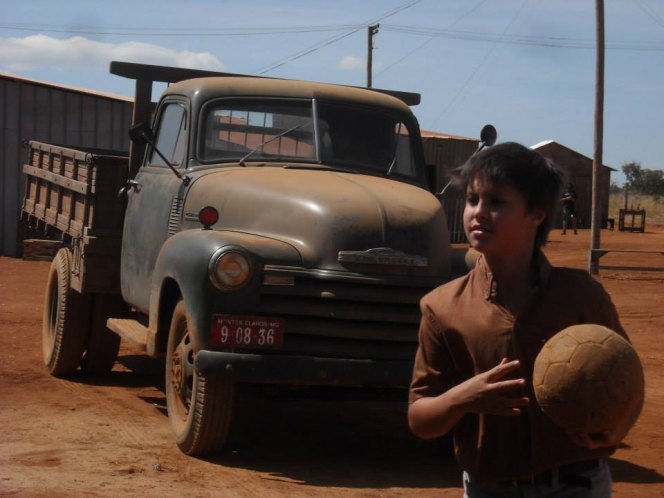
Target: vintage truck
x=259 y=231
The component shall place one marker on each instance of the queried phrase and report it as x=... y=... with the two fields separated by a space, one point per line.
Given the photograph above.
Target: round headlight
x=229 y=269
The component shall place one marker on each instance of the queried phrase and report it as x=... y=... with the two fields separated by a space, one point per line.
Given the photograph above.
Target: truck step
x=129 y=329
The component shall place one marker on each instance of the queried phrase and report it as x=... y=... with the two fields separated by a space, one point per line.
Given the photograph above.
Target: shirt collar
x=489 y=285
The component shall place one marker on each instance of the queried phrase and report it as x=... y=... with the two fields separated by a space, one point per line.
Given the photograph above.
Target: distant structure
x=59 y=114
x=580 y=171
x=445 y=152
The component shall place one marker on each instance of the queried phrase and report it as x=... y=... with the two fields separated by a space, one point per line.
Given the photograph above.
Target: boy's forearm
x=433 y=417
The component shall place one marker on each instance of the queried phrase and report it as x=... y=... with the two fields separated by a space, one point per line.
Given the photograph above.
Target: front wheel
x=200 y=408
x=66 y=315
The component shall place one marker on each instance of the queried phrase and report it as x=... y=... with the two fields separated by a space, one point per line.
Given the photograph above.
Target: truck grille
x=345 y=318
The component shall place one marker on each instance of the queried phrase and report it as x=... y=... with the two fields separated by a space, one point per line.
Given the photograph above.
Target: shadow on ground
x=624 y=471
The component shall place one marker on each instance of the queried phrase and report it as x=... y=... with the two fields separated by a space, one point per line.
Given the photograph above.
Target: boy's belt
x=565 y=474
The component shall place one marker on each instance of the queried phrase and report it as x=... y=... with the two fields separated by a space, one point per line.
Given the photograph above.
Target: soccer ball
x=587 y=378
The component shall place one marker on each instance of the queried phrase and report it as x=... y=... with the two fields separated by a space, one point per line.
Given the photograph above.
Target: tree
x=614 y=188
x=645 y=181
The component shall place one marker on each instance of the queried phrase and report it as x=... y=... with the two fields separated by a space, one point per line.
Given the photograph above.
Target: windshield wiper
x=396 y=151
x=394 y=162
x=272 y=139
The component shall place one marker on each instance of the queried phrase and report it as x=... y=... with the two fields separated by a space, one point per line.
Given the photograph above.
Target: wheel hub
x=177 y=372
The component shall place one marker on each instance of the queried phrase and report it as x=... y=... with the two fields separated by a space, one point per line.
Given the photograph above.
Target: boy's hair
x=538 y=179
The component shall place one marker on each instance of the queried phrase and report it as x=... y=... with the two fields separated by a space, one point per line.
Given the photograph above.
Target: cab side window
x=171 y=136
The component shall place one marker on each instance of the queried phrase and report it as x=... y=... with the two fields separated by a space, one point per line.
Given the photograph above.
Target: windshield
x=354 y=138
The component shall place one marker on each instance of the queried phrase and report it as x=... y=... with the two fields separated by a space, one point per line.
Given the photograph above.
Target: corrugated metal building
x=580 y=171
x=447 y=152
x=38 y=110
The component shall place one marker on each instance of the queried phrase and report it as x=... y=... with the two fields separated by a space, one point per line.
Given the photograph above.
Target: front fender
x=184 y=260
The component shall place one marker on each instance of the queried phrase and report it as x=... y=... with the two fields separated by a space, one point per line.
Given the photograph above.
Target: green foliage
x=645 y=181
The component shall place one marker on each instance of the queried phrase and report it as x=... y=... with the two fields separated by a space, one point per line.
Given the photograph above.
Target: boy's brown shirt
x=464 y=332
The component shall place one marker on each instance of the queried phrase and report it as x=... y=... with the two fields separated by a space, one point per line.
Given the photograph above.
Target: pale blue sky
x=526 y=66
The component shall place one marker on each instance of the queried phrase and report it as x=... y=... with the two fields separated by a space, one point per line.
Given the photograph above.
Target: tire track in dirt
x=129 y=419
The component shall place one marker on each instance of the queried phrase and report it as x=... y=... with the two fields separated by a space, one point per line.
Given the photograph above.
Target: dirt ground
x=110 y=437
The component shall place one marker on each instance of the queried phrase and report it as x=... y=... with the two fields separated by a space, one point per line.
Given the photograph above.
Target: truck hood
x=335 y=220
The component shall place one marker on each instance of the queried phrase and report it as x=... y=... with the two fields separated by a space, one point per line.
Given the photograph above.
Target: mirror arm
x=142 y=133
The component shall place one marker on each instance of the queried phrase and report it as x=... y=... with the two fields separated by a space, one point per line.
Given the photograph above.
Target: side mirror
x=141 y=133
x=488 y=136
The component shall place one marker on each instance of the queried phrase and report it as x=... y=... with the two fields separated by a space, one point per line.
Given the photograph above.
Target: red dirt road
x=110 y=437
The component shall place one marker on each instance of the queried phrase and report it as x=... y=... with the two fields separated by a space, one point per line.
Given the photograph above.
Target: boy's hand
x=487 y=393
x=430 y=417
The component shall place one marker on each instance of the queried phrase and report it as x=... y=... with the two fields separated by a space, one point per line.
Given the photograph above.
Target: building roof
x=69 y=88
x=436 y=134
x=552 y=145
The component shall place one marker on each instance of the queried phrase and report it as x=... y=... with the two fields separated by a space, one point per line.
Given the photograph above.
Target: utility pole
x=593 y=258
x=371 y=31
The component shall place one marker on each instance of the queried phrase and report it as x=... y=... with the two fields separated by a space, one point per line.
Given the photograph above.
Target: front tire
x=200 y=408
x=66 y=315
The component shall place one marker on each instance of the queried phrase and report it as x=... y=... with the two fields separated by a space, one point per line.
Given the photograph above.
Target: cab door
x=154 y=204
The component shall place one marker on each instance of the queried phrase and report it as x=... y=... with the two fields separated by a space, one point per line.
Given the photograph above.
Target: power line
x=307 y=51
x=649 y=12
x=431 y=33
x=454 y=23
x=405 y=6
x=334 y=39
x=481 y=63
x=551 y=42
x=191 y=32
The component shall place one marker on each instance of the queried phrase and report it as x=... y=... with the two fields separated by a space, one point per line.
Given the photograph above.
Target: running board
x=129 y=329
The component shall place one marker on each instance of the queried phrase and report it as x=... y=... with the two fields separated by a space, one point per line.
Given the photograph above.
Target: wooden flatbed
x=73 y=192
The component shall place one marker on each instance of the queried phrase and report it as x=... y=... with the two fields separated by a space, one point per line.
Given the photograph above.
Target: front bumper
x=304 y=370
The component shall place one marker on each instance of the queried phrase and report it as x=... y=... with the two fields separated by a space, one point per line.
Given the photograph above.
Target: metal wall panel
x=11 y=178
x=32 y=110
x=446 y=153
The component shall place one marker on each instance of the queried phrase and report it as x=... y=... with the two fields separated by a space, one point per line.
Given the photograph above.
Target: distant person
x=480 y=334
x=569 y=208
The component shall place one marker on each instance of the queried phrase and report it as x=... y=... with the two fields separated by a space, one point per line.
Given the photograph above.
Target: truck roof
x=203 y=89
x=145 y=74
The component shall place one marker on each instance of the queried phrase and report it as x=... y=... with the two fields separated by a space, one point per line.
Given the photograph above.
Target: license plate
x=246 y=331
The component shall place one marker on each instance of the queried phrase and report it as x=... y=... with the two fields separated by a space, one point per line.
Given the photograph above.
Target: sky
x=525 y=66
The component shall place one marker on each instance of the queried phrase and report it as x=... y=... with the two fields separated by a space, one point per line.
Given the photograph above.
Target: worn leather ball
x=587 y=378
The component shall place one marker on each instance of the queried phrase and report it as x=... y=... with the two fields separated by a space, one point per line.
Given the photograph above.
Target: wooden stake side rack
x=74 y=192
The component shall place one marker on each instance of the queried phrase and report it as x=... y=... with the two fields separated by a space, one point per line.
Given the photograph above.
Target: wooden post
x=593 y=261
x=371 y=31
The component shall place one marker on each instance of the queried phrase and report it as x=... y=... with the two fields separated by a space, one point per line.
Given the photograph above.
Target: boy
x=480 y=334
